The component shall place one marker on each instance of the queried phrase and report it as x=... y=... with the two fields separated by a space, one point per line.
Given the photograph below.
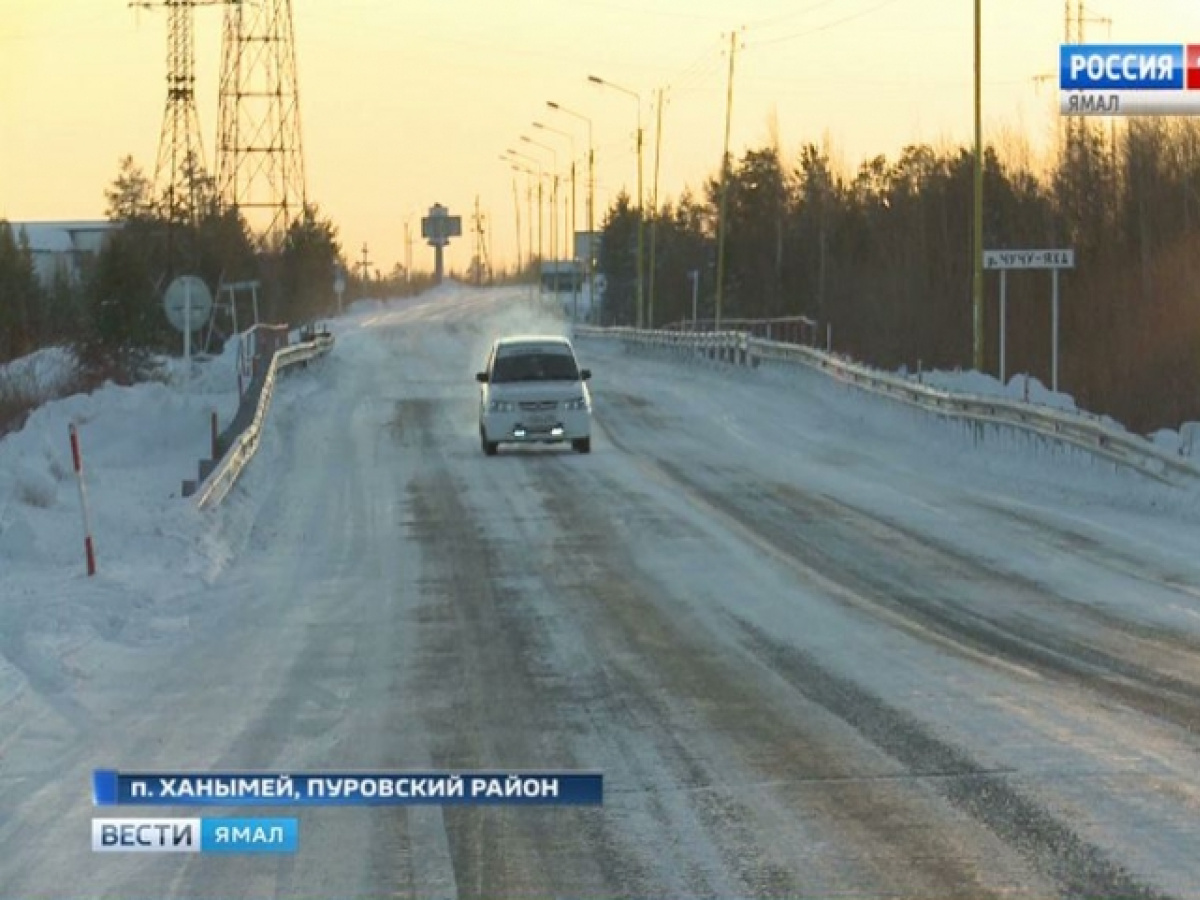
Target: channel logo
x=1129 y=79
x=1129 y=67
x=224 y=835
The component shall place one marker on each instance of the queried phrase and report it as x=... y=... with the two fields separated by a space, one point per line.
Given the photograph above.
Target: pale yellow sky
x=408 y=103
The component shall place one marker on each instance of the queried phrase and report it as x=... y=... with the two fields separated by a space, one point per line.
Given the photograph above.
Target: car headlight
x=579 y=403
x=502 y=406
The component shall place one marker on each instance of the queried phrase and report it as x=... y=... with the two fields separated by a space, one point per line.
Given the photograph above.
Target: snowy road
x=819 y=648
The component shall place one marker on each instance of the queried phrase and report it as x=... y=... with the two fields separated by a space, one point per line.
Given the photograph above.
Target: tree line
x=883 y=256
x=112 y=313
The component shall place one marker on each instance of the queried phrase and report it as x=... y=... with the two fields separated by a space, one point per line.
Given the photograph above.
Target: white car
x=534 y=392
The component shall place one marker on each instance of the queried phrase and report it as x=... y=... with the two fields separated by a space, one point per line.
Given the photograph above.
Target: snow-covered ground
x=820 y=644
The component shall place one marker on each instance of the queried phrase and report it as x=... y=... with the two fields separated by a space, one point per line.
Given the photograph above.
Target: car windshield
x=535 y=367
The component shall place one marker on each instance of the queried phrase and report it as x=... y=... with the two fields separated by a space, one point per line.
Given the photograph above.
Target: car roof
x=532 y=339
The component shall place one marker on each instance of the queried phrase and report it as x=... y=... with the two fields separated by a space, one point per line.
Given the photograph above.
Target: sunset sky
x=407 y=103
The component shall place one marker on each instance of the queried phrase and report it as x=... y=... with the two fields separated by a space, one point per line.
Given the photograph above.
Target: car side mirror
x=481 y=377
x=585 y=374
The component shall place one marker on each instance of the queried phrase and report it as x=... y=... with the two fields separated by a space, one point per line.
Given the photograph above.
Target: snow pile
x=138 y=444
x=44 y=373
x=1184 y=442
x=1019 y=387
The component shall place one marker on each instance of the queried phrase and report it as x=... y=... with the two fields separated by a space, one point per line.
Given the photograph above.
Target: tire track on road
x=890 y=829
x=1080 y=868
x=486 y=701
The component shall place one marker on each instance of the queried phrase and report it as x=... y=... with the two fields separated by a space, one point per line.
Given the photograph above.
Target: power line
x=775 y=20
x=825 y=27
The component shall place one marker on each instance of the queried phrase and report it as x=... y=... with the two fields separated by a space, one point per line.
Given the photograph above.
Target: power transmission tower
x=260 y=159
x=181 y=165
x=1076 y=21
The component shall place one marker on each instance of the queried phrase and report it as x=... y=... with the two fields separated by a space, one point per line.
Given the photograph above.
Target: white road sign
x=1029 y=259
x=188 y=300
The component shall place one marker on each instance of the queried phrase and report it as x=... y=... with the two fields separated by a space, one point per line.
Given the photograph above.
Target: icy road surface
x=820 y=647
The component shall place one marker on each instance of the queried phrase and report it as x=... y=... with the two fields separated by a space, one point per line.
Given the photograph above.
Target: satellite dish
x=185 y=290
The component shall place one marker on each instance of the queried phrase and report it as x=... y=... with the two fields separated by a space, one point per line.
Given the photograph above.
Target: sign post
x=188 y=305
x=437 y=228
x=339 y=285
x=1054 y=260
x=694 y=275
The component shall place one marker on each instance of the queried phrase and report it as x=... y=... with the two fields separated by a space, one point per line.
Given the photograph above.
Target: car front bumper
x=520 y=428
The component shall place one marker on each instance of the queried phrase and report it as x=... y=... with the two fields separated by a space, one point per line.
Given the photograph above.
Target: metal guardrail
x=1079 y=430
x=222 y=478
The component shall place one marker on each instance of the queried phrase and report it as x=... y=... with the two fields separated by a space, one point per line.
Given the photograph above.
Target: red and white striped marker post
x=77 y=458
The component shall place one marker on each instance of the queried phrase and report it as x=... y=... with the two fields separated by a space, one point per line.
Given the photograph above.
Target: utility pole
x=481 y=264
x=977 y=282
x=654 y=206
x=722 y=228
x=365 y=265
x=408 y=251
x=517 y=210
x=529 y=217
x=641 y=301
x=591 y=242
x=571 y=249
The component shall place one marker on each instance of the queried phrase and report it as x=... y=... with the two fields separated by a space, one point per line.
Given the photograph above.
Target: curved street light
x=540 y=175
x=553 y=192
x=594 y=79
x=569 y=231
x=591 y=202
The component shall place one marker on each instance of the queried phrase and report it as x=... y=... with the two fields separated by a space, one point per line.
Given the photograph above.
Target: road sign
x=1054 y=260
x=187 y=302
x=439 y=226
x=1029 y=259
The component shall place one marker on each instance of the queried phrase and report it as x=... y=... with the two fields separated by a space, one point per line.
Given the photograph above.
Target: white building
x=62 y=246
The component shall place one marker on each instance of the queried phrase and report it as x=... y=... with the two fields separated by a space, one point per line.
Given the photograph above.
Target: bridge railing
x=1079 y=430
x=214 y=488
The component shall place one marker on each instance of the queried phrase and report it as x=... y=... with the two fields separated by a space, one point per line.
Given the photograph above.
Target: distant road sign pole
x=1003 y=324
x=188 y=305
x=187 y=332
x=1054 y=260
x=437 y=228
x=339 y=286
x=1054 y=331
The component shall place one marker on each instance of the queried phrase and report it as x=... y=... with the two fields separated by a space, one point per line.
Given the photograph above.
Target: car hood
x=517 y=391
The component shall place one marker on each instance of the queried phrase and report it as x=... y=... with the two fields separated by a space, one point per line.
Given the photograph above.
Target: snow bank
x=1019 y=387
x=1184 y=442
x=45 y=372
x=138 y=444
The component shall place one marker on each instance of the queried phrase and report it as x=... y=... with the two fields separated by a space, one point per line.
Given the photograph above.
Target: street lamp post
x=569 y=233
x=641 y=209
x=516 y=210
x=529 y=176
x=977 y=262
x=540 y=175
x=654 y=207
x=553 y=193
x=591 y=202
